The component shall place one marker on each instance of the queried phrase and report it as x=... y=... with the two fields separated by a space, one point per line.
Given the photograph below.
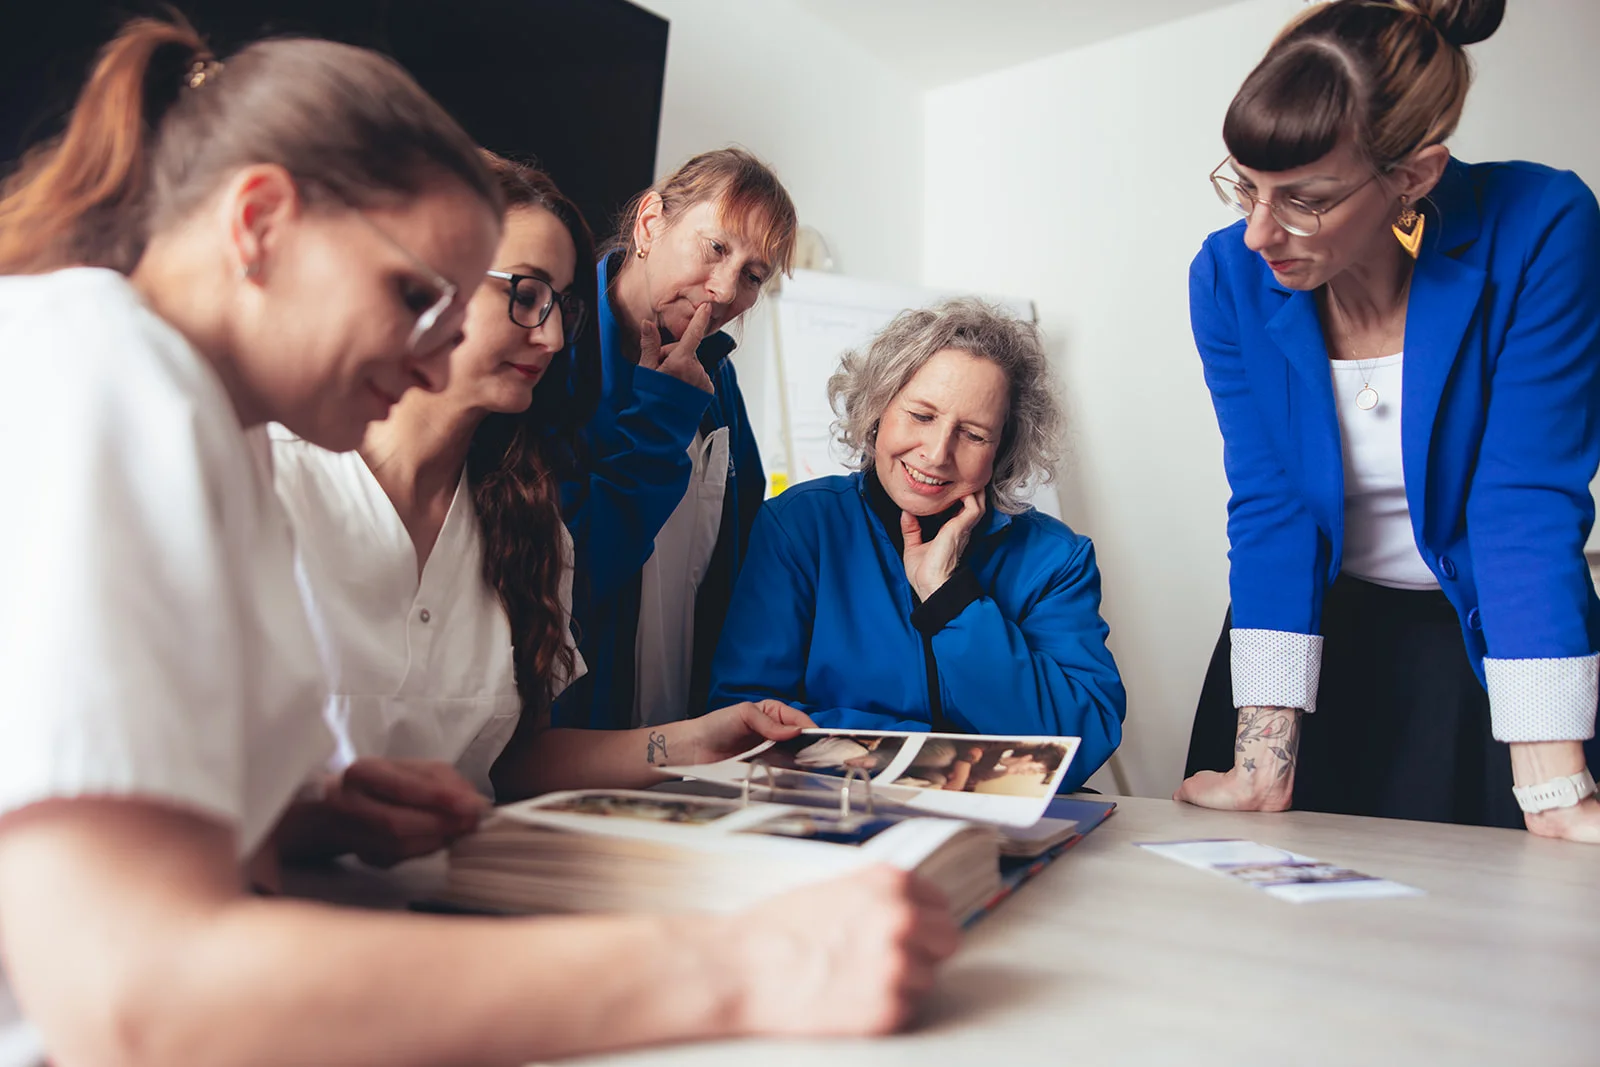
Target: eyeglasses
x=430 y=329
x=532 y=300
x=1294 y=215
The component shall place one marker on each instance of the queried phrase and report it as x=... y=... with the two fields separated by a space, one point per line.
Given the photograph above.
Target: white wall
x=1080 y=180
x=841 y=128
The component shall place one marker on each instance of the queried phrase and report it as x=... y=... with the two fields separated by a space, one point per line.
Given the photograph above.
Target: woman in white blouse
x=209 y=248
x=438 y=571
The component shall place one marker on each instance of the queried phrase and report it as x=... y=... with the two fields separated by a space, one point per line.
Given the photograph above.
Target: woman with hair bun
x=1404 y=354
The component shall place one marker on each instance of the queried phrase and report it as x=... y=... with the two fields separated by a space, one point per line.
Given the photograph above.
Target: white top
x=664 y=649
x=151 y=639
x=1379 y=545
x=420 y=670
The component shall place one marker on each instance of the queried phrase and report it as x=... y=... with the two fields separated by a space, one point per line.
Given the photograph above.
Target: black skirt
x=1402 y=726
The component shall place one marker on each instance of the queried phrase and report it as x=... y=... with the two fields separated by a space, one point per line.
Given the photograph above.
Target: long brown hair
x=1390 y=74
x=160 y=124
x=515 y=463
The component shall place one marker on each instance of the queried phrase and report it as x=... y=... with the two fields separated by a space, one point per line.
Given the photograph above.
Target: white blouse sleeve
x=119 y=643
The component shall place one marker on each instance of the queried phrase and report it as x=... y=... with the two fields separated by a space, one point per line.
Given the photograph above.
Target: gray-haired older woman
x=922 y=592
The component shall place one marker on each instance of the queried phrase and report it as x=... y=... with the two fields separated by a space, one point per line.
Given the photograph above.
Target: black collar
x=888 y=513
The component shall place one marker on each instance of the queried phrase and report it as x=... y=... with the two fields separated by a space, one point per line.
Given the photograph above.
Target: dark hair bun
x=1463 y=22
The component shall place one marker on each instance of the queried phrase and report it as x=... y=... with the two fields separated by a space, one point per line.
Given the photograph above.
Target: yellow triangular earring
x=1408 y=229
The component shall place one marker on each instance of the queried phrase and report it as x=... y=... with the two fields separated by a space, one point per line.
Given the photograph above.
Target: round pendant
x=1367 y=399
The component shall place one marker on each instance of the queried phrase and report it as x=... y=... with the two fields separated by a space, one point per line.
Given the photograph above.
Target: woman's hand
x=1266 y=749
x=928 y=566
x=384 y=811
x=1533 y=762
x=849 y=956
x=727 y=732
x=680 y=358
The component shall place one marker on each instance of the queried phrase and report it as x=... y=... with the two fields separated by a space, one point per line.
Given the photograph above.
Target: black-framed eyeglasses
x=1294 y=215
x=532 y=300
x=431 y=328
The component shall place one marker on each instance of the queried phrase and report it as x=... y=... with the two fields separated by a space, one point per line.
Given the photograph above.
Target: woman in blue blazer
x=923 y=593
x=1404 y=355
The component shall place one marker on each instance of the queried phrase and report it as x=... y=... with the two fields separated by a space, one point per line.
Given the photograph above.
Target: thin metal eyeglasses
x=1295 y=216
x=430 y=323
x=532 y=300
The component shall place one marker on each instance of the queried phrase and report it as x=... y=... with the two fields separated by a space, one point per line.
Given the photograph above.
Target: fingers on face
x=649 y=345
x=910 y=529
x=699 y=325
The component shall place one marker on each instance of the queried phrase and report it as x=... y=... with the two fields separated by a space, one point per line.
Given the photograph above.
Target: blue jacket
x=638 y=470
x=1500 y=432
x=823 y=619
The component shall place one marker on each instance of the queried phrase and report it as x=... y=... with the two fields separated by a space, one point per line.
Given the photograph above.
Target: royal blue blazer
x=1500 y=432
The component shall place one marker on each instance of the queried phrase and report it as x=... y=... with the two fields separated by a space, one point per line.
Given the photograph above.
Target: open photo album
x=964 y=812
x=1007 y=781
x=617 y=850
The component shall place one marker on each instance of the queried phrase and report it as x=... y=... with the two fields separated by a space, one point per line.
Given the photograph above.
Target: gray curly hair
x=866 y=381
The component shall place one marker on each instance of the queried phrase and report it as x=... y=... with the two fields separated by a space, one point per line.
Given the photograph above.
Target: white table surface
x=1116 y=956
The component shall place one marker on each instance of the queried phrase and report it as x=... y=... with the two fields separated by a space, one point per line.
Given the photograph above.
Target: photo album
x=965 y=812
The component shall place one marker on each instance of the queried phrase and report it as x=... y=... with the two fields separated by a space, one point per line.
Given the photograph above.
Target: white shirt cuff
x=1543 y=699
x=1276 y=669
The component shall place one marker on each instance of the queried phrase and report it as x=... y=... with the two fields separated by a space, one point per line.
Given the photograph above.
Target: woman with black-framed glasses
x=531 y=298
x=438 y=570
x=1413 y=631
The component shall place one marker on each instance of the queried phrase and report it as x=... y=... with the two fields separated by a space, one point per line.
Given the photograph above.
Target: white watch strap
x=1562 y=792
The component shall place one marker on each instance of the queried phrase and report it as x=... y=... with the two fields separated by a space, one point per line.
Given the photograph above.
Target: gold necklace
x=1367 y=398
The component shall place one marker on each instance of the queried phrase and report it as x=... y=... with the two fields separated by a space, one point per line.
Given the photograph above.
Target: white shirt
x=1379 y=545
x=664 y=648
x=151 y=638
x=420 y=669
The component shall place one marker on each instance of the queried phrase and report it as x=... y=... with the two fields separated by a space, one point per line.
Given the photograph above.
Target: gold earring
x=639 y=252
x=1408 y=229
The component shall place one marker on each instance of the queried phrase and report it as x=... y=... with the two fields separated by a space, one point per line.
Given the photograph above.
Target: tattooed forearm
x=655 y=746
x=1269 y=731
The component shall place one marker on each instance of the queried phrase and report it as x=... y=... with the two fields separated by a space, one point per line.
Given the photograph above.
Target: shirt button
x=423 y=615
x=1474 y=620
x=1447 y=566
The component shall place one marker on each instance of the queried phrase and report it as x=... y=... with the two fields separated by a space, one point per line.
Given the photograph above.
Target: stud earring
x=639 y=252
x=1408 y=229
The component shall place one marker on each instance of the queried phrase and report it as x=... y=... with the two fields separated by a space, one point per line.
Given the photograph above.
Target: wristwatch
x=1556 y=793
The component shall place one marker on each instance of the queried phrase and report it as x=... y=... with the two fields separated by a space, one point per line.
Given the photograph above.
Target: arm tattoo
x=657 y=742
x=1278 y=729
